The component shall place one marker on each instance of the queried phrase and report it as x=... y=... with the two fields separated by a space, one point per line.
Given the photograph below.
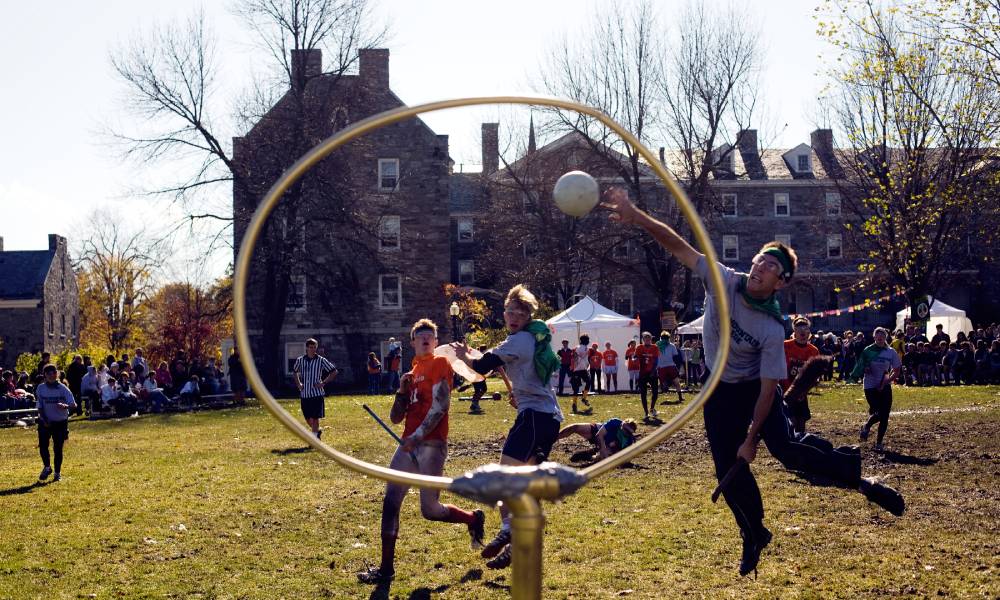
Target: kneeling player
x=609 y=437
x=423 y=400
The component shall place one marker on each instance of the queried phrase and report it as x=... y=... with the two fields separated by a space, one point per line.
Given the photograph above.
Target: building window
x=388 y=174
x=804 y=164
x=784 y=238
x=729 y=205
x=781 y=205
x=465 y=230
x=74 y=327
x=52 y=323
x=833 y=245
x=730 y=247
x=621 y=299
x=339 y=118
x=466 y=272
x=390 y=291
x=832 y=204
x=62 y=327
x=296 y=300
x=388 y=233
x=293 y=350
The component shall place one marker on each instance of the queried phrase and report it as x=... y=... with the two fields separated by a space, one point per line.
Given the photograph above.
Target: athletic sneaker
x=585 y=402
x=476 y=530
x=57 y=476
x=319 y=434
x=654 y=414
x=752 y=547
x=879 y=447
x=498 y=543
x=575 y=411
x=863 y=435
x=502 y=561
x=376 y=575
x=45 y=474
x=883 y=495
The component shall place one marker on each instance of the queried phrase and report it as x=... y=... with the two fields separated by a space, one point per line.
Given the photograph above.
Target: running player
x=527 y=357
x=879 y=364
x=742 y=410
x=609 y=437
x=797 y=351
x=581 y=374
x=54 y=401
x=423 y=400
x=648 y=355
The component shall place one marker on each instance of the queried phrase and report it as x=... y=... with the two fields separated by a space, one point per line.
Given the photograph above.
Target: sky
x=59 y=94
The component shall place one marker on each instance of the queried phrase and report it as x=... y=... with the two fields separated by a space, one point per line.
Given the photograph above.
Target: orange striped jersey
x=428 y=372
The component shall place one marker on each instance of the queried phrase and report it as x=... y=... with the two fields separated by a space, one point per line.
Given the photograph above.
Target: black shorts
x=532 y=436
x=57 y=430
x=313 y=408
x=798 y=410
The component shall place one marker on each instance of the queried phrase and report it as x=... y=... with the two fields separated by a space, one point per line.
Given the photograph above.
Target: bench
x=10 y=416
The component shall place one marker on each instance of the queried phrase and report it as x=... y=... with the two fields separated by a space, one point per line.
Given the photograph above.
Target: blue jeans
x=564 y=372
x=393 y=381
x=373 y=380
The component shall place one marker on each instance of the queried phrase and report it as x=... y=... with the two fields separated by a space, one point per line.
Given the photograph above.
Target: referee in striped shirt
x=309 y=369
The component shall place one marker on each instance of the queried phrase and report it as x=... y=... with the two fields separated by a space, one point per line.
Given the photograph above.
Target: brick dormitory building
x=416 y=223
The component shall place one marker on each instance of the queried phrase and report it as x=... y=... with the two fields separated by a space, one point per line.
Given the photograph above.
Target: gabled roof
x=23 y=273
x=566 y=144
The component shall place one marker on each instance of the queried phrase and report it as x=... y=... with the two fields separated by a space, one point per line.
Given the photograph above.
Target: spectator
x=153 y=394
x=74 y=375
x=565 y=365
x=949 y=356
x=90 y=389
x=163 y=378
x=191 y=393
x=594 y=360
x=828 y=347
x=966 y=365
x=697 y=359
x=982 y=358
x=940 y=336
x=845 y=360
x=179 y=369
x=610 y=367
x=124 y=364
x=632 y=363
x=394 y=362
x=995 y=362
x=139 y=361
x=127 y=403
x=237 y=378
x=109 y=395
x=46 y=358
x=374 y=372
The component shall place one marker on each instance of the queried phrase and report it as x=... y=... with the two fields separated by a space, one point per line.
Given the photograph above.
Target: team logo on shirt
x=738 y=335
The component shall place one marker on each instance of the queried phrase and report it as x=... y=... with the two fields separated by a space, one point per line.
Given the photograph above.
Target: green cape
x=546 y=361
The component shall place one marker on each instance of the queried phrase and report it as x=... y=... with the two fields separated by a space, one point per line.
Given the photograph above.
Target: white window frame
x=470 y=265
x=382 y=163
x=298 y=349
x=467 y=223
x=833 y=202
x=383 y=229
x=808 y=163
x=835 y=240
x=618 y=293
x=731 y=242
x=736 y=208
x=782 y=199
x=382 y=289
x=784 y=238
x=297 y=281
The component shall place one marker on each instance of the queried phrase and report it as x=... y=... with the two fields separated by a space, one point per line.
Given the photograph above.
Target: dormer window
x=803 y=163
x=724 y=158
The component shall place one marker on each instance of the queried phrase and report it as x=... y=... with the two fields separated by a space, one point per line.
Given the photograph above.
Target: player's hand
x=405 y=384
x=62 y=405
x=300 y=386
x=747 y=451
x=512 y=400
x=409 y=443
x=319 y=385
x=622 y=209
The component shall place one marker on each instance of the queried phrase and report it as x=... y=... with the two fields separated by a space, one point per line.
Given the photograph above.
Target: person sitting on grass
x=423 y=400
x=609 y=437
x=191 y=393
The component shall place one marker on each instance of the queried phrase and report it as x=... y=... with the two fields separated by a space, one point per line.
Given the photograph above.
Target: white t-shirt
x=581 y=358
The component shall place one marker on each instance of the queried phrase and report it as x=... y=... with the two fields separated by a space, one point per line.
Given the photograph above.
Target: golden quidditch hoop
x=519 y=487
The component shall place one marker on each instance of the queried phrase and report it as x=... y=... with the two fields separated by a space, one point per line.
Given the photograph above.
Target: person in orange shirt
x=632 y=364
x=797 y=351
x=596 y=360
x=423 y=400
x=648 y=356
x=610 y=367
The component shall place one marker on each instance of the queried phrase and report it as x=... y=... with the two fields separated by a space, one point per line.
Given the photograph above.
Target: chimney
x=306 y=64
x=663 y=156
x=747 y=146
x=56 y=242
x=373 y=67
x=1 y=243
x=491 y=148
x=821 y=141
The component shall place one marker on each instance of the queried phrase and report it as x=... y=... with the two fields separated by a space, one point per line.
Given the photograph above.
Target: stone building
x=39 y=301
x=358 y=280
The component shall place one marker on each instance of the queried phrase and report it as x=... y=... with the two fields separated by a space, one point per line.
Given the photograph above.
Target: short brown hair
x=801 y=321
x=312 y=342
x=522 y=296
x=423 y=324
x=793 y=258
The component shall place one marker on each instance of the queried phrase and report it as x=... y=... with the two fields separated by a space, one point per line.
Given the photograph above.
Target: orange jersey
x=595 y=358
x=795 y=356
x=428 y=371
x=648 y=356
x=631 y=360
x=610 y=358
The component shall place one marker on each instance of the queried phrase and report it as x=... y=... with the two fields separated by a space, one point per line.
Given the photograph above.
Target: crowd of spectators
x=125 y=386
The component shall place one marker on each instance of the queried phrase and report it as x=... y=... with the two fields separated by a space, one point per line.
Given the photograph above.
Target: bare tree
x=920 y=174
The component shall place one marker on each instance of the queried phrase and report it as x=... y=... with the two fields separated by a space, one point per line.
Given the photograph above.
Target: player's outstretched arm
x=624 y=211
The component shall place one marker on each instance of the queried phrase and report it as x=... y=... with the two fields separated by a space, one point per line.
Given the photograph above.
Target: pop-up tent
x=602 y=324
x=693 y=328
x=953 y=319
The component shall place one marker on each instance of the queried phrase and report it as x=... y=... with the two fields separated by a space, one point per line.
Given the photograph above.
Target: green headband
x=786 y=264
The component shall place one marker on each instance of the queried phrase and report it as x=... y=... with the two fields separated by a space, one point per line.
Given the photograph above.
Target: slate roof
x=23 y=272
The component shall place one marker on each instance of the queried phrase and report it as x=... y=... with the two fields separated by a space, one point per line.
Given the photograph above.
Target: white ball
x=576 y=193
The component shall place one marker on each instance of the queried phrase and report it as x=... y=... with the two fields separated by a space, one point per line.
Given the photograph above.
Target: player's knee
x=433 y=512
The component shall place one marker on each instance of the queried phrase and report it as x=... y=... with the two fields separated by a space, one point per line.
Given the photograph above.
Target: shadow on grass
x=472 y=575
x=494 y=585
x=427 y=593
x=582 y=459
x=287 y=451
x=906 y=459
x=24 y=489
x=381 y=591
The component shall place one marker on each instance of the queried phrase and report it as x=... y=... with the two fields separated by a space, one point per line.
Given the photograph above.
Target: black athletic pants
x=648 y=380
x=879 y=405
x=728 y=413
x=58 y=431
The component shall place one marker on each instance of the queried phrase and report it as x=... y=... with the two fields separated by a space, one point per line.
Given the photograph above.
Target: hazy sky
x=59 y=91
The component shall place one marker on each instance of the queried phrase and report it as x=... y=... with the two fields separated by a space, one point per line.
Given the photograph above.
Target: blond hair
x=423 y=324
x=520 y=295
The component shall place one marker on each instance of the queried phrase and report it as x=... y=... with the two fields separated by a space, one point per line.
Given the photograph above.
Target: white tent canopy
x=693 y=328
x=601 y=324
x=953 y=319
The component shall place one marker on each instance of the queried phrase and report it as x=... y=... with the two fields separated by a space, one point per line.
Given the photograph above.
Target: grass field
x=227 y=504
